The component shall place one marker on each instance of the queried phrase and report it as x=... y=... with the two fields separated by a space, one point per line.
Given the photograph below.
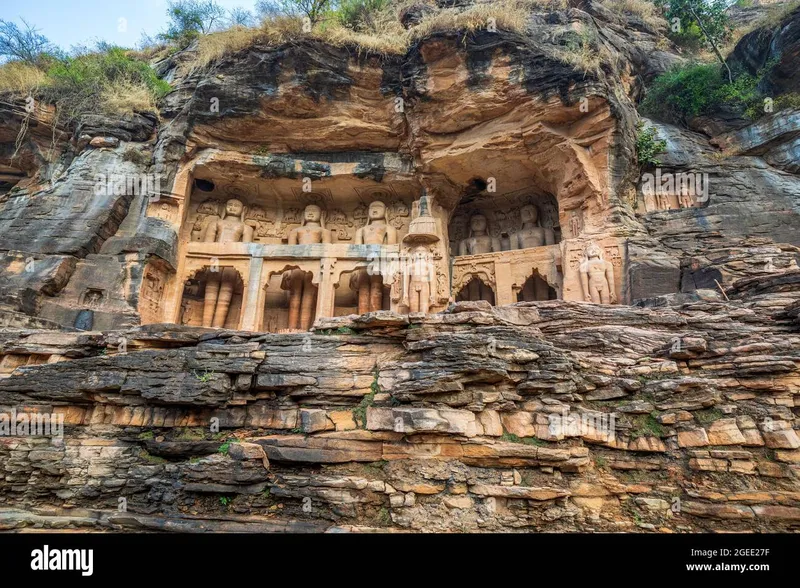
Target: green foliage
x=25 y=43
x=146 y=436
x=383 y=518
x=790 y=100
x=191 y=18
x=204 y=377
x=647 y=426
x=708 y=415
x=154 y=459
x=512 y=438
x=683 y=92
x=314 y=10
x=600 y=461
x=224 y=447
x=358 y=14
x=709 y=18
x=360 y=411
x=76 y=83
x=648 y=145
x=225 y=500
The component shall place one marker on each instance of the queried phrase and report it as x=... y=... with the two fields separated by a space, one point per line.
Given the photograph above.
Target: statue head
x=529 y=214
x=312 y=214
x=377 y=211
x=477 y=225
x=593 y=251
x=234 y=207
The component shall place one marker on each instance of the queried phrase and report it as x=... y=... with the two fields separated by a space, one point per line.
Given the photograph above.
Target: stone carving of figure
x=312 y=230
x=684 y=197
x=219 y=292
x=231 y=228
x=479 y=241
x=302 y=292
x=419 y=280
x=532 y=234
x=575 y=223
x=597 y=277
x=662 y=200
x=375 y=232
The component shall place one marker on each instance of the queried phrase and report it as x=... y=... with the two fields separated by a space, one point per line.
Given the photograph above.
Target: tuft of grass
x=708 y=415
x=647 y=426
x=151 y=458
x=583 y=51
x=126 y=96
x=224 y=447
x=644 y=9
x=20 y=78
x=146 y=436
x=360 y=411
x=512 y=438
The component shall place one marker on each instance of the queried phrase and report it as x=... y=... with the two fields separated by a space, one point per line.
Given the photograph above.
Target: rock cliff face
x=673 y=411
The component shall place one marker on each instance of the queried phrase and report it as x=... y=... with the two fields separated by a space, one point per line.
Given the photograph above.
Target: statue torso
x=532 y=237
x=229 y=230
x=309 y=235
x=374 y=234
x=478 y=245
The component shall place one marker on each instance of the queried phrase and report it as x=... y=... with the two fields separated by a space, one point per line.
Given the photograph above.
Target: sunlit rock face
x=432 y=291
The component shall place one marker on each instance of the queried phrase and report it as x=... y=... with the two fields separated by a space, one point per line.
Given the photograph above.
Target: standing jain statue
x=221 y=281
x=532 y=234
x=376 y=232
x=302 y=292
x=597 y=277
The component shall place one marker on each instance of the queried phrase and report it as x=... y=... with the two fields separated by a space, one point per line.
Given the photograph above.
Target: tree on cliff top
x=709 y=15
x=22 y=44
x=313 y=9
x=191 y=18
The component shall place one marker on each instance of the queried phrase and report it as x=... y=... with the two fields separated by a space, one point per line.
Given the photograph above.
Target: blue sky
x=73 y=22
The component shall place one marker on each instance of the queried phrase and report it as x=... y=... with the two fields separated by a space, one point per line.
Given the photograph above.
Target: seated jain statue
x=376 y=232
x=221 y=281
x=479 y=241
x=532 y=234
x=597 y=277
x=302 y=292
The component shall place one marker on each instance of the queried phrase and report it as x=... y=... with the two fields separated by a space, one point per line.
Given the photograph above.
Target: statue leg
x=295 y=296
x=227 y=282
x=605 y=296
x=308 y=303
x=375 y=293
x=363 y=292
x=414 y=298
x=210 y=301
x=425 y=297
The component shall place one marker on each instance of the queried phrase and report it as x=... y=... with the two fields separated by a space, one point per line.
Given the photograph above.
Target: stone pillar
x=325 y=288
x=504 y=293
x=252 y=297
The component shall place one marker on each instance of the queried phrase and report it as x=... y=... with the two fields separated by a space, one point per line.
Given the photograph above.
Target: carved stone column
x=504 y=290
x=325 y=288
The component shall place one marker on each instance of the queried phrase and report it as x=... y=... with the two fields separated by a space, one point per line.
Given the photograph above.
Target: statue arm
x=496 y=244
x=326 y=236
x=585 y=283
x=248 y=231
x=292 y=239
x=211 y=232
x=391 y=235
x=549 y=237
x=359 y=240
x=612 y=289
x=462 y=248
